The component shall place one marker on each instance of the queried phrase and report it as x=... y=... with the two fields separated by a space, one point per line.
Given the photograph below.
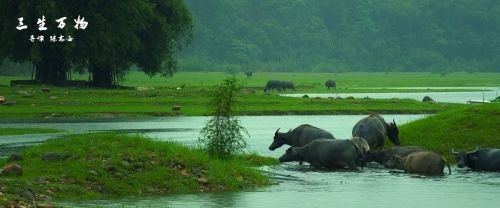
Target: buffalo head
x=394 y=162
x=291 y=154
x=463 y=158
x=393 y=133
x=278 y=140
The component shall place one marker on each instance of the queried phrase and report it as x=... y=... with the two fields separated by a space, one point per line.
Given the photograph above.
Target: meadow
x=155 y=96
x=310 y=82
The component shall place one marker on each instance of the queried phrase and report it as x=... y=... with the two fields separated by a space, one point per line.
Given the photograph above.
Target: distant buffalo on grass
x=248 y=74
x=278 y=85
x=331 y=84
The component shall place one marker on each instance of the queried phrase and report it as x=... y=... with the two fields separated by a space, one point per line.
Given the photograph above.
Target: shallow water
x=297 y=186
x=447 y=97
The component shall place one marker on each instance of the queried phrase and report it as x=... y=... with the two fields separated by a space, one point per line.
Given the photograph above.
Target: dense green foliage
x=344 y=35
x=99 y=164
x=464 y=129
x=222 y=135
x=119 y=34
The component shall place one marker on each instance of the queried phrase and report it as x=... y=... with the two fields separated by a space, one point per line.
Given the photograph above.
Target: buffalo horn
x=475 y=150
x=276 y=133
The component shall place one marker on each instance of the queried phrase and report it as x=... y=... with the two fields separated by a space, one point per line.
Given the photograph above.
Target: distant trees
x=119 y=34
x=346 y=35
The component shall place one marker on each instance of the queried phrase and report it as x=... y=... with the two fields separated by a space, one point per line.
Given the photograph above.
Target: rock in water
x=428 y=99
x=12 y=169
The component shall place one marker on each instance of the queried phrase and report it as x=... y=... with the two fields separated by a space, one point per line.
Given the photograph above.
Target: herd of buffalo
x=321 y=150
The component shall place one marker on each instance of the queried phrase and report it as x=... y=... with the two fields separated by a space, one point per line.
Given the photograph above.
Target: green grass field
x=160 y=95
x=311 y=82
x=90 y=103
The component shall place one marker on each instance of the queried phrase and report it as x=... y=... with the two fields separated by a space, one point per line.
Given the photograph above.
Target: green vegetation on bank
x=31 y=102
x=463 y=128
x=310 y=82
x=20 y=131
x=112 y=165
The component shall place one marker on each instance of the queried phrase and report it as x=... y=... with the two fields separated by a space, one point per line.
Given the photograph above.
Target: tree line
x=344 y=35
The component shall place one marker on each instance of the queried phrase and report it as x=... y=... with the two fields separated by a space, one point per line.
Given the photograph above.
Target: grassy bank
x=113 y=165
x=72 y=103
x=21 y=131
x=463 y=128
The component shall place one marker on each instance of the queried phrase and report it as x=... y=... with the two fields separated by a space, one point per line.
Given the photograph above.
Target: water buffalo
x=423 y=163
x=248 y=74
x=300 y=136
x=374 y=129
x=287 y=85
x=385 y=155
x=331 y=84
x=484 y=159
x=279 y=85
x=328 y=153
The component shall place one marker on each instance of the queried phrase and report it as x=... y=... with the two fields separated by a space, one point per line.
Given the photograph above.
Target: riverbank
x=22 y=131
x=112 y=165
x=38 y=102
x=463 y=128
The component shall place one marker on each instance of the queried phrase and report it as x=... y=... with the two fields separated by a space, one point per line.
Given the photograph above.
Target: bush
x=222 y=135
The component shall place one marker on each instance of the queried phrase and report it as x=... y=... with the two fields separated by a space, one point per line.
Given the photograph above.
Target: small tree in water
x=222 y=135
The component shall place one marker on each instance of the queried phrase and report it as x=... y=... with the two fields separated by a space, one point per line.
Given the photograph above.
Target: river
x=373 y=186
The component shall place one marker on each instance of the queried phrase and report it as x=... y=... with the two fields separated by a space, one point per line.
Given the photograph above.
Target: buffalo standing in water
x=484 y=159
x=300 y=136
x=423 y=163
x=331 y=84
x=374 y=129
x=330 y=154
x=385 y=155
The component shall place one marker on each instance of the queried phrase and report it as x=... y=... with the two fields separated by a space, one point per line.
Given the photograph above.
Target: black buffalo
x=385 y=155
x=279 y=85
x=374 y=129
x=330 y=154
x=484 y=159
x=331 y=84
x=299 y=136
x=248 y=74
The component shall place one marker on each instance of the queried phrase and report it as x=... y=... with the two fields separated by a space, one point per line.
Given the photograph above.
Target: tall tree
x=119 y=34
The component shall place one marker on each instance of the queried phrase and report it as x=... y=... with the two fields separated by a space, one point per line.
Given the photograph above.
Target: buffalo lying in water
x=374 y=129
x=300 y=136
x=424 y=163
x=330 y=154
x=484 y=159
x=385 y=155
